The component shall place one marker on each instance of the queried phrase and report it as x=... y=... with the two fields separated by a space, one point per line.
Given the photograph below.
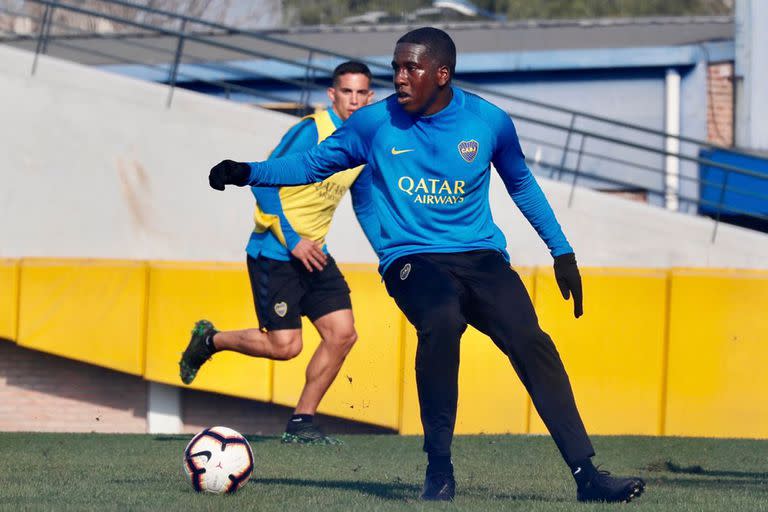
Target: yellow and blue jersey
x=430 y=175
x=286 y=214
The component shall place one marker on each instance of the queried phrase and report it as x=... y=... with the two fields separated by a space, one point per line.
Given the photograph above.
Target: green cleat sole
x=294 y=439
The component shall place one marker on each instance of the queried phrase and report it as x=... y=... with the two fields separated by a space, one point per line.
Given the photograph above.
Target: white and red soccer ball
x=218 y=460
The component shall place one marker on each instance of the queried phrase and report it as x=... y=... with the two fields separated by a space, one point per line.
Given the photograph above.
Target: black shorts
x=283 y=291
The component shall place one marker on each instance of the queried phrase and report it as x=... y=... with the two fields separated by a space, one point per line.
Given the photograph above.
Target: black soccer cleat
x=439 y=486
x=603 y=487
x=306 y=433
x=197 y=352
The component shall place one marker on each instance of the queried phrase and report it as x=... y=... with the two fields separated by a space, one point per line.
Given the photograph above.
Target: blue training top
x=305 y=212
x=430 y=175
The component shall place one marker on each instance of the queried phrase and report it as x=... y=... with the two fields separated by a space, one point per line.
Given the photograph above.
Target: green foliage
x=98 y=472
x=317 y=12
x=313 y=12
x=553 y=9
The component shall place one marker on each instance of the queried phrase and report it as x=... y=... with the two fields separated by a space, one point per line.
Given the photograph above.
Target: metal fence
x=564 y=144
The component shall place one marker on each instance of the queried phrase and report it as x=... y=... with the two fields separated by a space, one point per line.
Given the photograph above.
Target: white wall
x=94 y=165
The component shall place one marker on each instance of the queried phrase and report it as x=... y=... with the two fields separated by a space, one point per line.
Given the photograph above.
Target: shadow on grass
x=163 y=438
x=386 y=490
x=671 y=467
x=261 y=439
x=397 y=490
x=490 y=494
x=719 y=484
x=251 y=439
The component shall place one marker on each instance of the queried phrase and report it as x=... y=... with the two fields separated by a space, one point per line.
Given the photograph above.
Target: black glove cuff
x=241 y=174
x=565 y=259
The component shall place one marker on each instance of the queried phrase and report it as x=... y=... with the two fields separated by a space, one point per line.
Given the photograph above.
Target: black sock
x=209 y=342
x=440 y=463
x=583 y=471
x=301 y=418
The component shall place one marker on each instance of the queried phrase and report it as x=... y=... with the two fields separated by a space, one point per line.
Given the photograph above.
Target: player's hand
x=310 y=254
x=229 y=172
x=569 y=280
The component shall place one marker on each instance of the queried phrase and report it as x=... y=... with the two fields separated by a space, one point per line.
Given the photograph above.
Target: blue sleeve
x=345 y=149
x=509 y=161
x=362 y=204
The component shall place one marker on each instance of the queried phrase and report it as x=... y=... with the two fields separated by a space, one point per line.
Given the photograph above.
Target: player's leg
x=431 y=300
x=327 y=304
x=279 y=345
x=277 y=293
x=337 y=336
x=501 y=308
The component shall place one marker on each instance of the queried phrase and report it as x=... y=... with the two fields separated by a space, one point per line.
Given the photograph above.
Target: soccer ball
x=218 y=460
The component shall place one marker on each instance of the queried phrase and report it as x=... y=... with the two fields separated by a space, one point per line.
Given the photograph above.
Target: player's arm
x=343 y=150
x=510 y=163
x=362 y=204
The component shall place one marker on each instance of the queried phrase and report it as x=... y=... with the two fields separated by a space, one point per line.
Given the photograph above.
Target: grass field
x=143 y=472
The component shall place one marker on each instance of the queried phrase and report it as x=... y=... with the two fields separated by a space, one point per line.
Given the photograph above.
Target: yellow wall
x=718 y=356
x=9 y=299
x=89 y=310
x=181 y=294
x=367 y=388
x=614 y=353
x=675 y=352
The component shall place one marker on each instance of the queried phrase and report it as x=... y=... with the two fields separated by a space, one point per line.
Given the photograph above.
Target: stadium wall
x=659 y=352
x=97 y=167
x=45 y=393
x=42 y=392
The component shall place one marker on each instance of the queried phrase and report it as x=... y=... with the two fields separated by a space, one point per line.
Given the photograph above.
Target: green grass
x=143 y=472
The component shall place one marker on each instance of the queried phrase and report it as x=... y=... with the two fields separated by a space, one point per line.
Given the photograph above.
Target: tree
x=16 y=14
x=316 y=12
x=553 y=9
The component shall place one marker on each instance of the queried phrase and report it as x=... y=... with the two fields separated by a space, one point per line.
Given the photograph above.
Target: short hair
x=350 y=66
x=439 y=45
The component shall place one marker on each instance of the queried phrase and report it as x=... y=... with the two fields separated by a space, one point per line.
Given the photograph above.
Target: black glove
x=569 y=280
x=228 y=172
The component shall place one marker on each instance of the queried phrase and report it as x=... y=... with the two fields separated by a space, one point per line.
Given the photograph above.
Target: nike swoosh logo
x=401 y=151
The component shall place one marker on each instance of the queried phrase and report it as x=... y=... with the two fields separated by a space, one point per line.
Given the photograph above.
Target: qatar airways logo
x=432 y=191
x=330 y=190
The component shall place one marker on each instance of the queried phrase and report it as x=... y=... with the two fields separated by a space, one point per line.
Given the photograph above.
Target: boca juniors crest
x=468 y=150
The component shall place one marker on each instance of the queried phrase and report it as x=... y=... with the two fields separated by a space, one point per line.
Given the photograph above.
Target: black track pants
x=440 y=294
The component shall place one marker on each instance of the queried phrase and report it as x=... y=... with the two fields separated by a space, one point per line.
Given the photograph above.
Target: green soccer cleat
x=197 y=353
x=306 y=433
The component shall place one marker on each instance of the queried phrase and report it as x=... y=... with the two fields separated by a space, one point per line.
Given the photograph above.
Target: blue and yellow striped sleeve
x=300 y=138
x=345 y=149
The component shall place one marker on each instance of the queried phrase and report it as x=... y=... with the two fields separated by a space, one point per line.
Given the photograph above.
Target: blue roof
x=479 y=62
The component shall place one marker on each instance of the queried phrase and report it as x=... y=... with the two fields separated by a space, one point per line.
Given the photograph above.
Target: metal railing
x=606 y=151
x=174 y=70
